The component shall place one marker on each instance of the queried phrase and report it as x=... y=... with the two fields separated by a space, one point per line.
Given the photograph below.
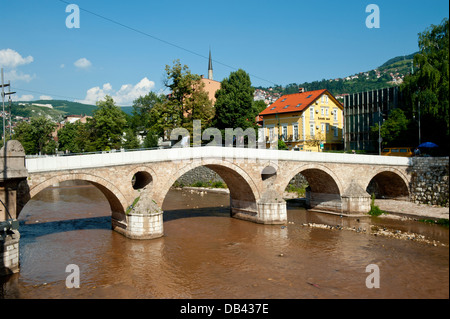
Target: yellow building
x=305 y=121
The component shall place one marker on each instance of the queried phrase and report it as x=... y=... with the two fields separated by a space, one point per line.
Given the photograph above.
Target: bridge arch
x=389 y=183
x=320 y=178
x=114 y=196
x=241 y=186
x=325 y=188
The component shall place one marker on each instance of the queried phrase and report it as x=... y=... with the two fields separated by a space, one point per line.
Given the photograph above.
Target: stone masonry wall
x=199 y=174
x=429 y=181
x=206 y=175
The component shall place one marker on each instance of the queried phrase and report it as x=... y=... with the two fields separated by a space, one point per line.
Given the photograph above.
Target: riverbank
x=395 y=208
x=412 y=210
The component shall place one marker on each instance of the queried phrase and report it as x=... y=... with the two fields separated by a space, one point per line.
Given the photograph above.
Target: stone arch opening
x=242 y=191
x=322 y=190
x=388 y=185
x=115 y=199
x=141 y=179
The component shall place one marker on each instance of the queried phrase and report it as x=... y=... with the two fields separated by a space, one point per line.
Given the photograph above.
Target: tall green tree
x=428 y=86
x=393 y=131
x=36 y=136
x=141 y=119
x=108 y=125
x=188 y=101
x=77 y=137
x=234 y=102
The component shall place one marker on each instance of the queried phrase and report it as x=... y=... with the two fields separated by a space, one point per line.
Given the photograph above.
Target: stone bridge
x=136 y=183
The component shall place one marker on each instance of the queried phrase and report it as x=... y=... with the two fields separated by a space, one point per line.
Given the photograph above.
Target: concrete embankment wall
x=429 y=180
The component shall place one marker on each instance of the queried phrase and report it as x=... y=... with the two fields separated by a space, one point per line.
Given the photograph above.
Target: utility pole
x=3 y=85
x=420 y=138
x=10 y=113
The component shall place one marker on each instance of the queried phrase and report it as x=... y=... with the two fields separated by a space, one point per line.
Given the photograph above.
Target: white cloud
x=82 y=63
x=123 y=97
x=26 y=97
x=13 y=75
x=45 y=97
x=12 y=59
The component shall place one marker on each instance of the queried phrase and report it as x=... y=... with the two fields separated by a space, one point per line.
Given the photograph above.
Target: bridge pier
x=270 y=209
x=13 y=171
x=355 y=200
x=143 y=219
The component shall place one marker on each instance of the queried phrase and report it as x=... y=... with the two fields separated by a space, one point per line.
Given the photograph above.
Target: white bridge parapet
x=57 y=163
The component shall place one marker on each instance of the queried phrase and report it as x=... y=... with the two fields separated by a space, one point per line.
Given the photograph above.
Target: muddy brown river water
x=207 y=254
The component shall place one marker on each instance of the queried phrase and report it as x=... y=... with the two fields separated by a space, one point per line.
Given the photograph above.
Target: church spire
x=210 y=68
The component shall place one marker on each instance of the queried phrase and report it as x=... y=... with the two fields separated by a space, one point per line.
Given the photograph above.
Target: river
x=206 y=254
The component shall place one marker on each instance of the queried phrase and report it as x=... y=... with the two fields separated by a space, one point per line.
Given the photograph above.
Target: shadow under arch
x=242 y=189
x=324 y=190
x=389 y=183
x=114 y=197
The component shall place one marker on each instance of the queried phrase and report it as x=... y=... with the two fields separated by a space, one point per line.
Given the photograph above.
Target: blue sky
x=282 y=42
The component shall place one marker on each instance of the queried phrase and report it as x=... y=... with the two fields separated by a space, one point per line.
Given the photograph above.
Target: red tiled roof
x=293 y=102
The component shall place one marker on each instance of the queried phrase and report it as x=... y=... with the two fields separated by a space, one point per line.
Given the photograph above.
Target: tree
x=108 y=125
x=428 y=86
x=187 y=101
x=36 y=136
x=234 y=102
x=151 y=140
x=130 y=140
x=394 y=131
x=141 y=119
x=316 y=140
x=259 y=106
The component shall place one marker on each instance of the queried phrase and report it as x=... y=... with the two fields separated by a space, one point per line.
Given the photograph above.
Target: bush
x=375 y=210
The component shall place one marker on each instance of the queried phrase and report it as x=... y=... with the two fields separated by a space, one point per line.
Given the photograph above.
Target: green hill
x=58 y=110
x=390 y=73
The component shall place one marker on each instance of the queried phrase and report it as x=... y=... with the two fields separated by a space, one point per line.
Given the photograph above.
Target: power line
x=50 y=94
x=162 y=40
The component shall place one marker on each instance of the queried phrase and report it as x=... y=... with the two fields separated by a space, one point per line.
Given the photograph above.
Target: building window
x=284 y=132
x=323 y=127
x=335 y=114
x=336 y=131
x=271 y=133
x=322 y=111
x=326 y=111
x=295 y=132
x=311 y=112
x=328 y=127
x=311 y=129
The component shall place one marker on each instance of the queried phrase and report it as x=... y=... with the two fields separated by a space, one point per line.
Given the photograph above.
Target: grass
x=136 y=200
x=300 y=191
x=443 y=222
x=209 y=184
x=374 y=209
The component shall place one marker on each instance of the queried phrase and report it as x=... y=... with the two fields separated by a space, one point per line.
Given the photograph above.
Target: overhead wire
x=162 y=40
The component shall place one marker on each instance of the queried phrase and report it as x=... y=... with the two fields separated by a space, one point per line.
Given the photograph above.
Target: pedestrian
x=417 y=152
